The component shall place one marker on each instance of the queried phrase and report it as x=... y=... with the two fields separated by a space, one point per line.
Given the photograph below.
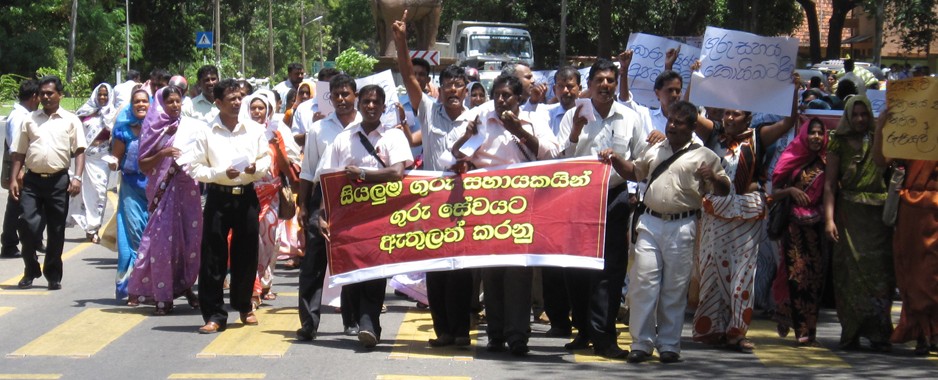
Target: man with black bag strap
x=28 y=102
x=681 y=173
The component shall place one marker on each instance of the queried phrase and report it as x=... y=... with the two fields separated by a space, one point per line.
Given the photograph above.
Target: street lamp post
x=318 y=18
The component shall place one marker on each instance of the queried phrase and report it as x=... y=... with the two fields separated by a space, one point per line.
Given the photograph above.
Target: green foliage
x=81 y=84
x=10 y=87
x=915 y=23
x=355 y=63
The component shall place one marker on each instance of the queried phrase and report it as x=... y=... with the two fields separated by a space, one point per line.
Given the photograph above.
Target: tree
x=814 y=29
x=915 y=22
x=836 y=25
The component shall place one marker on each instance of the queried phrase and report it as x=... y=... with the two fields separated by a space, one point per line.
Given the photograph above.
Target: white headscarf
x=244 y=115
x=468 y=100
x=92 y=106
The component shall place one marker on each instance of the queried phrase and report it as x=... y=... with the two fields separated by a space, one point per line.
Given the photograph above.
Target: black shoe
x=579 y=342
x=637 y=356
x=519 y=348
x=305 y=335
x=555 y=332
x=351 y=331
x=668 y=357
x=10 y=253
x=368 y=339
x=55 y=285
x=442 y=341
x=496 y=345
x=612 y=352
x=462 y=341
x=26 y=282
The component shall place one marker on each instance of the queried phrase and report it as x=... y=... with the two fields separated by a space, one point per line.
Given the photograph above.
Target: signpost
x=204 y=40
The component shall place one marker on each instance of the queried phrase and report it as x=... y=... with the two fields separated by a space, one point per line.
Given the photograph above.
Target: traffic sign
x=204 y=40
x=431 y=56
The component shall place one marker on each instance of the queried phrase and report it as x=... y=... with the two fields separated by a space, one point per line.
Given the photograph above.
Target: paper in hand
x=241 y=163
x=587 y=110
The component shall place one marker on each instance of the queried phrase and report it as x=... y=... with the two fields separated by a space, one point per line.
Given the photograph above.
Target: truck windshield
x=500 y=45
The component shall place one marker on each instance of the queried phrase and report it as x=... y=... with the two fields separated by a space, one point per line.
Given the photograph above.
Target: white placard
x=745 y=71
x=877 y=100
x=587 y=110
x=648 y=56
x=322 y=98
x=384 y=79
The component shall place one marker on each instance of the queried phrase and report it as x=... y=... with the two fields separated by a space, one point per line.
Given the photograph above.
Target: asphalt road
x=82 y=332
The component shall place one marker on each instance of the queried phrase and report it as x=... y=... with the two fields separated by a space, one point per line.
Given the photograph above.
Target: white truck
x=487 y=45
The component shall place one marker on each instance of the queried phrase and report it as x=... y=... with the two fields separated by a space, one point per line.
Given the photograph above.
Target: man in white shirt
x=309 y=198
x=533 y=93
x=229 y=156
x=567 y=89
x=384 y=161
x=595 y=296
x=44 y=145
x=509 y=136
x=28 y=102
x=295 y=74
x=123 y=91
x=203 y=107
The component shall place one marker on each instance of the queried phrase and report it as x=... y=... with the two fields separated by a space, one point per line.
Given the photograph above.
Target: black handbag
x=779 y=217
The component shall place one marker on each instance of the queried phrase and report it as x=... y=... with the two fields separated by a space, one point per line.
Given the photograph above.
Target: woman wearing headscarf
x=132 y=197
x=799 y=176
x=915 y=243
x=97 y=118
x=168 y=259
x=258 y=110
x=854 y=194
x=476 y=95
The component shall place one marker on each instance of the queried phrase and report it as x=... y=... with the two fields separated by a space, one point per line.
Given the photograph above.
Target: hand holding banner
x=548 y=213
x=745 y=71
x=910 y=131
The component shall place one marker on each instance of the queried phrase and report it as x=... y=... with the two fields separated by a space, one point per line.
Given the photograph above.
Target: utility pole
x=303 y=32
x=563 y=33
x=127 y=19
x=217 y=34
x=322 y=60
x=71 y=43
x=270 y=35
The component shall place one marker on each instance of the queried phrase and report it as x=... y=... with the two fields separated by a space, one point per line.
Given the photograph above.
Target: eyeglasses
x=453 y=84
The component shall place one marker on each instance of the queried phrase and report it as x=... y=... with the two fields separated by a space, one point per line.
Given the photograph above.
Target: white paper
x=648 y=56
x=240 y=163
x=323 y=100
x=877 y=100
x=384 y=79
x=587 y=110
x=745 y=71
x=110 y=159
x=473 y=142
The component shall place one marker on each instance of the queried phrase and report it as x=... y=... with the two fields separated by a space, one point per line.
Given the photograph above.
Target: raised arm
x=414 y=92
x=625 y=59
x=772 y=132
x=878 y=158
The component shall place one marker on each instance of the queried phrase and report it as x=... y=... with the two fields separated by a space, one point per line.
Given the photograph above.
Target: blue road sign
x=204 y=40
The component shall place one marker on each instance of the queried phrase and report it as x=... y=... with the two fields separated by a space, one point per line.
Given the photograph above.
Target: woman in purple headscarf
x=799 y=175
x=168 y=260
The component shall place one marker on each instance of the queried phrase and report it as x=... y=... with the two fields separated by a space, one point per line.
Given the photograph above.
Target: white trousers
x=87 y=208
x=658 y=279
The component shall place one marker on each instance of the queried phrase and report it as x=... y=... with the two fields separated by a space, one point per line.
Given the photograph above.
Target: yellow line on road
x=271 y=338
x=773 y=351
x=30 y=376
x=412 y=336
x=5 y=309
x=587 y=356
x=217 y=376
x=82 y=335
x=411 y=377
x=65 y=256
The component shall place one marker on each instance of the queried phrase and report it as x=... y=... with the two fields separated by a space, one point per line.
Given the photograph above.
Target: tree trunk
x=836 y=25
x=270 y=37
x=70 y=66
x=814 y=29
x=605 y=29
x=878 y=35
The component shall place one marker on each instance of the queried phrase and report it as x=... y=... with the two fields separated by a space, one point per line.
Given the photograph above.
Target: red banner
x=549 y=213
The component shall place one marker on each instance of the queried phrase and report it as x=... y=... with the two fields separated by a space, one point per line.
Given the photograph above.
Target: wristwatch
x=75 y=178
x=361 y=174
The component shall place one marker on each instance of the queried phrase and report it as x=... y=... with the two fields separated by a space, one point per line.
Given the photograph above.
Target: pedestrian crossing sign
x=204 y=40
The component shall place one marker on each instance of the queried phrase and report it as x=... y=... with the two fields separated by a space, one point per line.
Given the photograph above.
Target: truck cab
x=488 y=45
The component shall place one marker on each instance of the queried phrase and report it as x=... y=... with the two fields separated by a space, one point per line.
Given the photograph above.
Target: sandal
x=162 y=309
x=268 y=295
x=743 y=345
x=255 y=302
x=93 y=238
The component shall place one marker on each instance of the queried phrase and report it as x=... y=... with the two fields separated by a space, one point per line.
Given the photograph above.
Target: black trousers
x=595 y=296
x=507 y=303
x=313 y=266
x=449 y=294
x=556 y=298
x=236 y=214
x=366 y=299
x=10 y=239
x=44 y=199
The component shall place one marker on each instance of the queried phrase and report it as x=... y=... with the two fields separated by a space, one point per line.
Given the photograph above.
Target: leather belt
x=47 y=175
x=233 y=190
x=670 y=217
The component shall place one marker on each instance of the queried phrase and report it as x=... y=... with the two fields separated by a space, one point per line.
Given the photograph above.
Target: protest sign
x=648 y=56
x=323 y=100
x=384 y=79
x=549 y=213
x=744 y=71
x=877 y=100
x=910 y=131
